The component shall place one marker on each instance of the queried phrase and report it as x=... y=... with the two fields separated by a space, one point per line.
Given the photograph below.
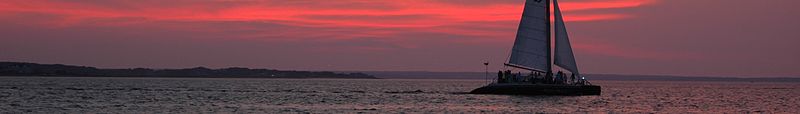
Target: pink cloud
x=384 y=21
x=338 y=13
x=610 y=4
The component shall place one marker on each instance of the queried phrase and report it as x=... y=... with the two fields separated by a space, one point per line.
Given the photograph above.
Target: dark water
x=166 y=95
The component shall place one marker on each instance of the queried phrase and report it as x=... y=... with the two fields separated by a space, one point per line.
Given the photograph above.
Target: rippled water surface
x=181 y=95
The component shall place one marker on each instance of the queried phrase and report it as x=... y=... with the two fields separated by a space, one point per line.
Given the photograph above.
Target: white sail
x=563 y=56
x=531 y=47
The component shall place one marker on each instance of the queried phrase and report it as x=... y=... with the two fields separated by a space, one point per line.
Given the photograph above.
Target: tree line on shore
x=59 y=70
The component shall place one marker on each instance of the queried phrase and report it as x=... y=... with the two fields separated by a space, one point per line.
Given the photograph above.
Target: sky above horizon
x=741 y=38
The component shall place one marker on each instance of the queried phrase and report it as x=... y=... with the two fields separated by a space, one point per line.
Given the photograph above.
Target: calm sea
x=184 y=95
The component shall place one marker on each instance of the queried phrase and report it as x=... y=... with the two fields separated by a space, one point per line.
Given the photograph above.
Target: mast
x=549 y=38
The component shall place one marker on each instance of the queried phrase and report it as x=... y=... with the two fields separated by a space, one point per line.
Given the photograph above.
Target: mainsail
x=532 y=45
x=563 y=56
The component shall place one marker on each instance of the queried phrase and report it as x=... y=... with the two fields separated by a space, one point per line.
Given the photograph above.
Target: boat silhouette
x=532 y=53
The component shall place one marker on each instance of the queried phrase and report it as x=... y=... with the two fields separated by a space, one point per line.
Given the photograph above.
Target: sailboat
x=532 y=52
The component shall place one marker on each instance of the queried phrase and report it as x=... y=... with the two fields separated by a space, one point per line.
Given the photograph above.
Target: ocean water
x=185 y=95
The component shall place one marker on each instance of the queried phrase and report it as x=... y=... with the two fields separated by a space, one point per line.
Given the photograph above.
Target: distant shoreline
x=7 y=76
x=58 y=70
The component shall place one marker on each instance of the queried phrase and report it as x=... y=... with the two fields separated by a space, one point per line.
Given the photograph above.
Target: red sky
x=674 y=37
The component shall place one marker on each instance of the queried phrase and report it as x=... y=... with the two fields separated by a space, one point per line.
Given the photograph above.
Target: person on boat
x=559 y=76
x=565 y=78
x=555 y=78
x=572 y=79
x=535 y=77
x=539 y=77
x=544 y=78
x=513 y=77
x=531 y=77
x=500 y=76
x=548 y=79
x=507 y=76
x=562 y=79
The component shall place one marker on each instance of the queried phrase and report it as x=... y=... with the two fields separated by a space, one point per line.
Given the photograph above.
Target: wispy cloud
x=386 y=21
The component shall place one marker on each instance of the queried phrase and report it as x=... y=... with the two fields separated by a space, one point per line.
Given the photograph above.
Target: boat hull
x=538 y=89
